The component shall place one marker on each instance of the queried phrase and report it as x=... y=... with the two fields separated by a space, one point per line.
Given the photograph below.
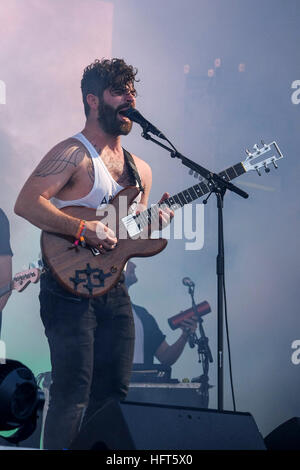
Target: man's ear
x=93 y=101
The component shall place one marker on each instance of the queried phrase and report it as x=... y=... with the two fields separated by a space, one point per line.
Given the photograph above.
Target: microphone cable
x=228 y=345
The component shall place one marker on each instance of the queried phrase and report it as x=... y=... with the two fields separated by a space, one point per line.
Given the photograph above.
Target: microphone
x=186 y=281
x=192 y=340
x=134 y=115
x=202 y=309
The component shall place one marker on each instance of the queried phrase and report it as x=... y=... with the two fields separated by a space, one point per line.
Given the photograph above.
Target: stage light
x=20 y=400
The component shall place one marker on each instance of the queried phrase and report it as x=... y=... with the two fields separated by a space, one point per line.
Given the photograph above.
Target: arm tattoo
x=59 y=161
x=90 y=169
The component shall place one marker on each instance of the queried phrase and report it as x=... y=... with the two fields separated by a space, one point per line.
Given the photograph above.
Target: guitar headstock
x=256 y=159
x=22 y=279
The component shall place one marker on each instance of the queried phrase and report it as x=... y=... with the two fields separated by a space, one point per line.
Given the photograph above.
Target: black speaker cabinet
x=144 y=426
x=285 y=437
x=105 y=430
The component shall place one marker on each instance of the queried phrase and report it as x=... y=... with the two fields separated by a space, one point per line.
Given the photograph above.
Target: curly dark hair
x=102 y=74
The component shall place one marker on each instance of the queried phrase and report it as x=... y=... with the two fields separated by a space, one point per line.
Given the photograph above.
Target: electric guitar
x=21 y=281
x=86 y=272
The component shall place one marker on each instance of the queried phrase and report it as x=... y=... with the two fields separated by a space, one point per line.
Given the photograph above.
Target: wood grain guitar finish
x=85 y=272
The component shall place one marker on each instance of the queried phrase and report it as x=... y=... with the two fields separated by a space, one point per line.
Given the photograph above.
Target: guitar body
x=86 y=273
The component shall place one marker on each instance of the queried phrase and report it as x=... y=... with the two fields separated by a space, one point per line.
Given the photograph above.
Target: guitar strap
x=132 y=170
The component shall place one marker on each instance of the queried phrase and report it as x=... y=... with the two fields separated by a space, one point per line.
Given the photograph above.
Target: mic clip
x=192 y=338
x=145 y=135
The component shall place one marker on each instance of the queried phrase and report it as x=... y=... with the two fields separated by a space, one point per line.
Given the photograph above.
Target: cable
x=228 y=345
x=174 y=148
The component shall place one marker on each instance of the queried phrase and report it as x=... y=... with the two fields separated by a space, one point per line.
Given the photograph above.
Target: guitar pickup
x=133 y=228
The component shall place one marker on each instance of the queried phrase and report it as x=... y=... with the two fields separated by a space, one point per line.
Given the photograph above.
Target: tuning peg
x=256 y=148
x=267 y=169
x=265 y=146
x=275 y=165
x=248 y=153
x=196 y=175
x=258 y=172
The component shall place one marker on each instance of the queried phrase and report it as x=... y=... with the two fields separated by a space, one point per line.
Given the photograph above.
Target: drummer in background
x=149 y=340
x=5 y=260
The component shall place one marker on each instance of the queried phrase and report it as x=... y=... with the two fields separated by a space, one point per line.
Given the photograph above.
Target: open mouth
x=123 y=118
x=121 y=114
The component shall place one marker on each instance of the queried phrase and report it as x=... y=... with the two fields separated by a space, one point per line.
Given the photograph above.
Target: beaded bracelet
x=81 y=238
x=79 y=235
x=80 y=229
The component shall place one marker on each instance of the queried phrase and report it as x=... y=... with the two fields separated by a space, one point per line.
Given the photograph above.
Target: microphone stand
x=204 y=353
x=218 y=186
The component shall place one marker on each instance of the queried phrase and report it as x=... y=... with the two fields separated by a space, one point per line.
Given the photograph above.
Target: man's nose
x=130 y=98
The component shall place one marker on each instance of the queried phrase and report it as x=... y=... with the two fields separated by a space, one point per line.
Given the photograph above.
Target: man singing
x=91 y=340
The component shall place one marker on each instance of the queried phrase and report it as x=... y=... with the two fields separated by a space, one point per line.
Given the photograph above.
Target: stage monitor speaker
x=171 y=427
x=285 y=437
x=105 y=430
x=162 y=427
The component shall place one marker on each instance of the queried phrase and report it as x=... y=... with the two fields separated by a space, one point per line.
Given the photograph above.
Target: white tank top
x=104 y=188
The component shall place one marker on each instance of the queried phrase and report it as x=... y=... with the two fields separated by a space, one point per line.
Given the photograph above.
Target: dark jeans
x=91 y=346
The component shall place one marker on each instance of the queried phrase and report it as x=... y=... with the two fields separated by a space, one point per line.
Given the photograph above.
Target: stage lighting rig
x=20 y=400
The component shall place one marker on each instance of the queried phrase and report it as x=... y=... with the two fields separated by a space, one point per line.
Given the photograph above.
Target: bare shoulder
x=66 y=155
x=67 y=144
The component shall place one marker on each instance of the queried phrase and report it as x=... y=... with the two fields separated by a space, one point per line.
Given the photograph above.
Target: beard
x=109 y=122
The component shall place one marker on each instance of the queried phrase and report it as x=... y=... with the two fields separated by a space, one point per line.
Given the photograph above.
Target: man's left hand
x=189 y=326
x=165 y=213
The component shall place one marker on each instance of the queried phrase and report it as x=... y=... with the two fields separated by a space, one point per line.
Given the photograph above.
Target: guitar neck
x=187 y=196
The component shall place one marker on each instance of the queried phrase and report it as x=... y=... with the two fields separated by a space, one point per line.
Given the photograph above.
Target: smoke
x=211 y=119
x=44 y=49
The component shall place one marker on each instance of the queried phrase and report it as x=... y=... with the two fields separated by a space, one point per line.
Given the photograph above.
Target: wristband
x=80 y=229
x=79 y=235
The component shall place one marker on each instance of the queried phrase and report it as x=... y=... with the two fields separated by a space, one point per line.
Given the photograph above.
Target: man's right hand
x=100 y=236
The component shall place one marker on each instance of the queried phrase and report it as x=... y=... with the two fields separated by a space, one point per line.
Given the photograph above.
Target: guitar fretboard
x=187 y=196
